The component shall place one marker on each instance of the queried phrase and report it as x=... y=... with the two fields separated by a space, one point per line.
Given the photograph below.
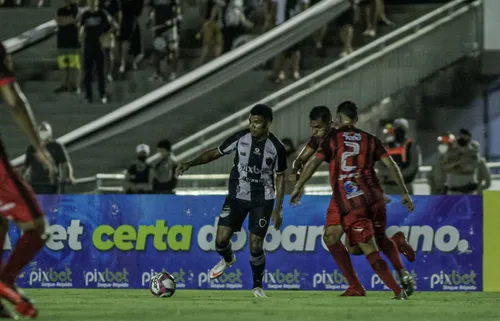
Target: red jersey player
x=321 y=122
x=17 y=197
x=357 y=194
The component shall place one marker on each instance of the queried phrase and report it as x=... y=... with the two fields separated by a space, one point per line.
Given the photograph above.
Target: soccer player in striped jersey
x=357 y=197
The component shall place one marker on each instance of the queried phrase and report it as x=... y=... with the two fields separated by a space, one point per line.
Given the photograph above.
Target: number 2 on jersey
x=353 y=150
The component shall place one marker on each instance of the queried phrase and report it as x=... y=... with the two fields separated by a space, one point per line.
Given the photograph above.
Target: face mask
x=142 y=158
x=389 y=139
x=462 y=141
x=45 y=135
x=399 y=134
x=443 y=148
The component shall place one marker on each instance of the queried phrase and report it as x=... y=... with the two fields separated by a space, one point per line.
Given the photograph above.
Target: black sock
x=225 y=251
x=258 y=263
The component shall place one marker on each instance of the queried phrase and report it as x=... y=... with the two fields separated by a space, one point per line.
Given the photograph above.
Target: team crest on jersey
x=352 y=136
x=256 y=151
x=352 y=190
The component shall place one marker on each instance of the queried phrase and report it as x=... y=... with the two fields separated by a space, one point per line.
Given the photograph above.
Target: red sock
x=381 y=268
x=343 y=260
x=391 y=251
x=28 y=245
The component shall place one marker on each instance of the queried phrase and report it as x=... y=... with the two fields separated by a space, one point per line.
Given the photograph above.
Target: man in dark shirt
x=38 y=175
x=131 y=10
x=68 y=47
x=94 y=24
x=164 y=15
x=164 y=170
x=109 y=39
x=139 y=176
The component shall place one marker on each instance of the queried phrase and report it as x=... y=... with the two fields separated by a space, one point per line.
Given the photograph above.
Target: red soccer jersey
x=352 y=154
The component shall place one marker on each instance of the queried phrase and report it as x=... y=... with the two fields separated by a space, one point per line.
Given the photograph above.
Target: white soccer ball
x=162 y=285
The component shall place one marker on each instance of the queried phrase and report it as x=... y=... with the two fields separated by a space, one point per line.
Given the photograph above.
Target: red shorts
x=17 y=199
x=364 y=223
x=333 y=216
x=6 y=81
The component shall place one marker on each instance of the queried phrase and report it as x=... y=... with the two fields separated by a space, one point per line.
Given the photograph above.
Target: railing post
x=98 y=185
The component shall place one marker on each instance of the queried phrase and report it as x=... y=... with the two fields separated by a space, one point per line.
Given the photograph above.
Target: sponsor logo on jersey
x=352 y=136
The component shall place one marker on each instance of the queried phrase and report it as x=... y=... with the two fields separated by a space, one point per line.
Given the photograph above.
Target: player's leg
x=4 y=228
x=231 y=219
x=361 y=232
x=258 y=224
x=403 y=246
x=25 y=210
x=332 y=235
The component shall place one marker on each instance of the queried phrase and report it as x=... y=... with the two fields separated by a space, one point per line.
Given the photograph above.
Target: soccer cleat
x=407 y=282
x=259 y=293
x=353 y=291
x=403 y=246
x=402 y=296
x=22 y=304
x=220 y=267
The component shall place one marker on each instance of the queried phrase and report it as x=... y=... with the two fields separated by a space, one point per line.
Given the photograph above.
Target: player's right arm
x=226 y=148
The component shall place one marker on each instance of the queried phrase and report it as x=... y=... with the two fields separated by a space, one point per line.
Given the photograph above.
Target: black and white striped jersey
x=255 y=163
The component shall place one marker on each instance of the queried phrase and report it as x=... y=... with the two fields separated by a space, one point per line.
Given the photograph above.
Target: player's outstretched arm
x=204 y=158
x=307 y=173
x=298 y=164
x=395 y=175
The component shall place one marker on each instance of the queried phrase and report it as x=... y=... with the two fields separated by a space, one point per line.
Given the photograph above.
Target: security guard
x=406 y=153
x=436 y=177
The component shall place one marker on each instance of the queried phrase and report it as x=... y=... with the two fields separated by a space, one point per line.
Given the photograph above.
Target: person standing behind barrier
x=68 y=47
x=483 y=175
x=406 y=153
x=131 y=10
x=139 y=176
x=461 y=163
x=436 y=177
x=37 y=175
x=94 y=24
x=165 y=180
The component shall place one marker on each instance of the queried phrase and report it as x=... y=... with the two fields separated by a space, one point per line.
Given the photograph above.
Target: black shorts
x=127 y=29
x=346 y=18
x=234 y=213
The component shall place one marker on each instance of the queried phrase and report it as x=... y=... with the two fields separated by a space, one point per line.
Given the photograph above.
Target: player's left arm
x=280 y=168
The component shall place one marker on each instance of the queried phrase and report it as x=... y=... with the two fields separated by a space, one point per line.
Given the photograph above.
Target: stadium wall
x=120 y=241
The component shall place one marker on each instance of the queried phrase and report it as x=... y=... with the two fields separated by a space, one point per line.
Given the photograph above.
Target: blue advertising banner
x=120 y=241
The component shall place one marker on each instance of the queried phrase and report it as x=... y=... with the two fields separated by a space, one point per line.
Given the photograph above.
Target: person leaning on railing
x=139 y=176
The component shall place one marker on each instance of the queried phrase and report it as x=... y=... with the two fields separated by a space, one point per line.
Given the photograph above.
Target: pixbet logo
x=179 y=277
x=330 y=281
x=455 y=281
x=107 y=278
x=282 y=280
x=253 y=169
x=377 y=281
x=228 y=280
x=51 y=278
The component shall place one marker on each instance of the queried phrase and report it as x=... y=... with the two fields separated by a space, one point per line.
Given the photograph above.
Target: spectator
x=36 y=173
x=136 y=47
x=345 y=22
x=436 y=177
x=68 y=47
x=109 y=39
x=139 y=176
x=406 y=153
x=283 y=11
x=164 y=15
x=234 y=23
x=461 y=163
x=165 y=180
x=94 y=24
x=131 y=10
x=483 y=175
x=212 y=32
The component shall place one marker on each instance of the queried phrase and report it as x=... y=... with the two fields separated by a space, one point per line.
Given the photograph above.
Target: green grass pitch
x=206 y=305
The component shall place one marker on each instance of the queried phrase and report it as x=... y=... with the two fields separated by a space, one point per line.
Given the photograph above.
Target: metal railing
x=206 y=78
x=116 y=181
x=30 y=37
x=214 y=133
